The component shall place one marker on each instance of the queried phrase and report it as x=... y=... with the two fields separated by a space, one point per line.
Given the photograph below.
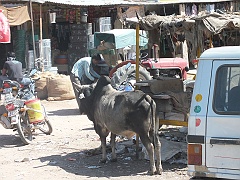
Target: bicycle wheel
x=45 y=126
x=24 y=130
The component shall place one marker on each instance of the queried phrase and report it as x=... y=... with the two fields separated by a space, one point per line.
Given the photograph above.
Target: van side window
x=227 y=90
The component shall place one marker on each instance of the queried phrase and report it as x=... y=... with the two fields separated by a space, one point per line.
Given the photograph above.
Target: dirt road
x=71 y=152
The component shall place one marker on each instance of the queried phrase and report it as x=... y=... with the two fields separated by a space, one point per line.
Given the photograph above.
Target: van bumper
x=203 y=171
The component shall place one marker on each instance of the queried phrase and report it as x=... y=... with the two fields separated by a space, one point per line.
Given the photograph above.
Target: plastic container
x=84 y=18
x=61 y=59
x=35 y=116
x=46 y=47
x=30 y=59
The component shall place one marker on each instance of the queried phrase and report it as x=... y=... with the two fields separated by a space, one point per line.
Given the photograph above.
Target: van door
x=223 y=116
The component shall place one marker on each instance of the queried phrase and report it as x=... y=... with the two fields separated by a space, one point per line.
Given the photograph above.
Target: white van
x=214 y=122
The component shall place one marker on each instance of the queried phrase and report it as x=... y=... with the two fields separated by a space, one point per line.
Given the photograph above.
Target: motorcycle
x=21 y=110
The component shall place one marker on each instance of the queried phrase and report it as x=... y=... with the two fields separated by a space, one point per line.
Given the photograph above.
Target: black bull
x=123 y=113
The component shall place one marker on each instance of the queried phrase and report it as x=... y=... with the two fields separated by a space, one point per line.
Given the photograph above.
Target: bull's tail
x=155 y=126
x=154 y=118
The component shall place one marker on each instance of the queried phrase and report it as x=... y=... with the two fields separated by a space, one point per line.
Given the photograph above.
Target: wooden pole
x=41 y=45
x=137 y=52
x=34 y=48
x=137 y=77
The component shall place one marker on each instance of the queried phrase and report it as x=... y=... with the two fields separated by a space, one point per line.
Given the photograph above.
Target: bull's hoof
x=158 y=171
x=152 y=171
x=114 y=160
x=102 y=161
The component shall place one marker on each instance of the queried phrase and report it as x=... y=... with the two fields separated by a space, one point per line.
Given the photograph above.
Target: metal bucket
x=84 y=18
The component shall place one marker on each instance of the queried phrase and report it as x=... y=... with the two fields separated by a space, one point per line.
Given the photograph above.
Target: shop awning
x=16 y=15
x=118 y=2
x=126 y=2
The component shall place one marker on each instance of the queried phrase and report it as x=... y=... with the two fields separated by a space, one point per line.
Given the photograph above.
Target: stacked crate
x=103 y=24
x=80 y=41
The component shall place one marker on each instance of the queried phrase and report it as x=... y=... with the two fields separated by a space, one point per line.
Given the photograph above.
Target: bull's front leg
x=103 y=133
x=113 y=146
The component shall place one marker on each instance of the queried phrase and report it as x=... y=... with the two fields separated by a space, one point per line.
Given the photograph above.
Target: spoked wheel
x=45 y=126
x=24 y=130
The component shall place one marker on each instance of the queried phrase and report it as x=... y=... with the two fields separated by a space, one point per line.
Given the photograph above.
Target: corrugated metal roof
x=103 y=2
x=19 y=1
x=127 y=2
x=117 y=2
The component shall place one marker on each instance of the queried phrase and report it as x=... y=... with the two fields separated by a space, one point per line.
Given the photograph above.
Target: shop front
x=16 y=16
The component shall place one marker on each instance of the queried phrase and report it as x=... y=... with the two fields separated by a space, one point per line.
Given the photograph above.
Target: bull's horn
x=77 y=85
x=81 y=87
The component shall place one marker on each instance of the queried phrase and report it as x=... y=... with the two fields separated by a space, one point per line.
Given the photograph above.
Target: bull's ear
x=86 y=107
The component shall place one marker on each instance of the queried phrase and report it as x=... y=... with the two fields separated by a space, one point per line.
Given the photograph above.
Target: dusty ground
x=71 y=152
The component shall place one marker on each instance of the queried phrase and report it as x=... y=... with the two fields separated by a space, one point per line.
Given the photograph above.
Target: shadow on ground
x=9 y=141
x=85 y=164
x=63 y=112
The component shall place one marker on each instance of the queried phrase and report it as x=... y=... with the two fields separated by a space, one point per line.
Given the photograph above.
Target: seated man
x=12 y=69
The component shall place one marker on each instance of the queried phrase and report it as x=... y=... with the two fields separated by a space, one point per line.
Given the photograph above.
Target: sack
x=59 y=87
x=41 y=84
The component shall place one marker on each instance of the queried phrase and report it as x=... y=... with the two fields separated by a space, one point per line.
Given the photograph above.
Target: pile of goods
x=54 y=87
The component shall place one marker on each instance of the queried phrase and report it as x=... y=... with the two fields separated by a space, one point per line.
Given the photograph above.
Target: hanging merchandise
x=71 y=16
x=78 y=16
x=52 y=17
x=194 y=10
x=5 y=35
x=84 y=18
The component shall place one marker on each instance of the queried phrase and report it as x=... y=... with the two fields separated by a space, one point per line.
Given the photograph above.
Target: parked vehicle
x=22 y=111
x=213 y=126
x=151 y=68
x=109 y=42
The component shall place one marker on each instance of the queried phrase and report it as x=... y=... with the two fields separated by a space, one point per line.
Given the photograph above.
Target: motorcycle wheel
x=143 y=75
x=45 y=126
x=24 y=130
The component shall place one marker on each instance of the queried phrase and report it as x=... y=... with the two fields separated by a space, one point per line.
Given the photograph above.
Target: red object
x=5 y=35
x=10 y=107
x=6 y=85
x=194 y=61
x=167 y=63
x=61 y=61
x=198 y=122
x=159 y=63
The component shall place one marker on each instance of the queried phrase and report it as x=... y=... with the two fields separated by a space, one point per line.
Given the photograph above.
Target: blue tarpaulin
x=120 y=37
